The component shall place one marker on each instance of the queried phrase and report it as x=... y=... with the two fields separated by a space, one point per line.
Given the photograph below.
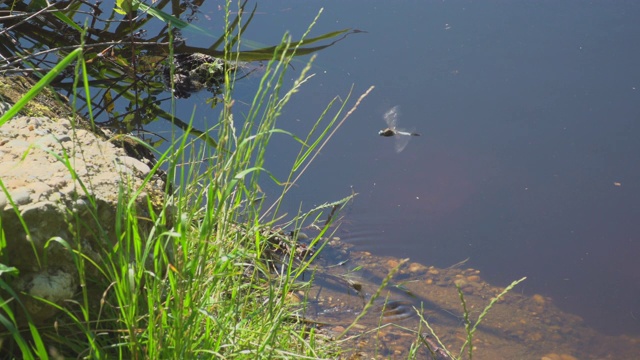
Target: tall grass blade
x=40 y=85
x=484 y=313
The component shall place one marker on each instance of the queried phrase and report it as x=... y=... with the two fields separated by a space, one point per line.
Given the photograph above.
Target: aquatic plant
x=128 y=65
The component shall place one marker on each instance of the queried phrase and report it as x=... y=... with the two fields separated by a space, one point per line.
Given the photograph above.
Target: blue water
x=528 y=159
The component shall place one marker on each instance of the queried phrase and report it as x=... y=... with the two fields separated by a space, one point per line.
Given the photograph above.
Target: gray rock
x=56 y=209
x=134 y=165
x=53 y=285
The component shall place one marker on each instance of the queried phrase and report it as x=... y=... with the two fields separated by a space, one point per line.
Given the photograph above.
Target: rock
x=460 y=283
x=127 y=164
x=416 y=267
x=292 y=298
x=551 y=356
x=53 y=285
x=473 y=278
x=538 y=299
x=568 y=357
x=59 y=208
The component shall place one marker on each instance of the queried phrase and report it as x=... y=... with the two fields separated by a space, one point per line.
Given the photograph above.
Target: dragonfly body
x=393 y=132
x=387 y=132
x=402 y=136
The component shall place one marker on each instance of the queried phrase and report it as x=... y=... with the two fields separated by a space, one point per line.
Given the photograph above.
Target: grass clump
x=210 y=276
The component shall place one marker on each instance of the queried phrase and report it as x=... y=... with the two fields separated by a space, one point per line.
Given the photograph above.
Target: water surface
x=527 y=163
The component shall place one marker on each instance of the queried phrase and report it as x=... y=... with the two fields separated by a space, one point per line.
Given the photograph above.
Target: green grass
x=199 y=281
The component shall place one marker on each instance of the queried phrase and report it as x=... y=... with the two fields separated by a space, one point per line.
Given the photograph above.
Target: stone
x=55 y=205
x=392 y=263
x=52 y=285
x=21 y=196
x=473 y=278
x=292 y=298
x=460 y=283
x=416 y=267
x=538 y=299
x=551 y=356
x=133 y=165
x=567 y=357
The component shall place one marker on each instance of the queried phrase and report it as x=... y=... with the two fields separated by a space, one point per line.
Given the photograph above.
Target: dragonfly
x=402 y=136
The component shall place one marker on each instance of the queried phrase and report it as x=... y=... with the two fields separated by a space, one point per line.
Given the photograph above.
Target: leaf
x=67 y=20
x=10 y=270
x=126 y=6
x=108 y=102
x=169 y=19
x=43 y=4
x=44 y=82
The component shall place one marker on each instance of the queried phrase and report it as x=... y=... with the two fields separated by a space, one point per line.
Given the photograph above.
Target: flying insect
x=402 y=136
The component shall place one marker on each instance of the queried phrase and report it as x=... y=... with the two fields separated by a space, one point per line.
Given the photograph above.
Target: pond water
x=527 y=164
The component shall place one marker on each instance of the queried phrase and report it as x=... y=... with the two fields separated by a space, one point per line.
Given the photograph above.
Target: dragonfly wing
x=391 y=117
x=401 y=142
x=402 y=139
